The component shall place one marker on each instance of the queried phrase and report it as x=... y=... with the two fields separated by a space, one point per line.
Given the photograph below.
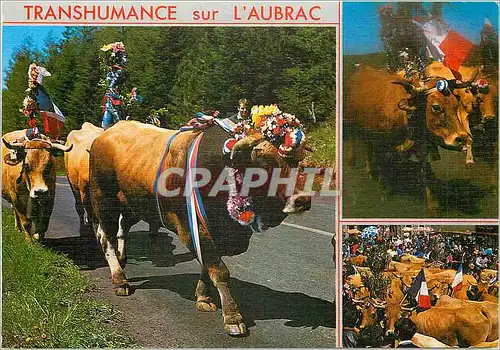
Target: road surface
x=284 y=283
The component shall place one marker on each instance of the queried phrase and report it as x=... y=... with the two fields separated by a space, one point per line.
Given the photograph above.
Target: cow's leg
x=79 y=209
x=107 y=210
x=469 y=158
x=23 y=224
x=204 y=301
x=118 y=277
x=219 y=275
x=232 y=320
x=17 y=222
x=125 y=224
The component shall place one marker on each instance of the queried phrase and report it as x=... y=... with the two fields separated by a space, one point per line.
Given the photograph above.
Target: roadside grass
x=46 y=301
x=321 y=138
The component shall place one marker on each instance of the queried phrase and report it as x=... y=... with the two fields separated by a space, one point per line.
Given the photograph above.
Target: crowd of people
x=475 y=252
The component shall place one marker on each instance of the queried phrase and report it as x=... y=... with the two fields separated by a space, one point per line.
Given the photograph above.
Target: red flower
x=246 y=216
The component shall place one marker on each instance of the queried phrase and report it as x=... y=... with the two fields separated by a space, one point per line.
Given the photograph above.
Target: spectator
x=350 y=318
x=371 y=336
x=405 y=329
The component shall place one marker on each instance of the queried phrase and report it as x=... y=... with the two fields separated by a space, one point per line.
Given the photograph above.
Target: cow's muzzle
x=298 y=203
x=39 y=193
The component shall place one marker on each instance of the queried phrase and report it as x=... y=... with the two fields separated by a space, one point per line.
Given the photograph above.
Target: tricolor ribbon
x=195 y=208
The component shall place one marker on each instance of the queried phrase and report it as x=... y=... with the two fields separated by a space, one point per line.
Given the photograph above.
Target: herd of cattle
x=112 y=175
x=387 y=112
x=453 y=321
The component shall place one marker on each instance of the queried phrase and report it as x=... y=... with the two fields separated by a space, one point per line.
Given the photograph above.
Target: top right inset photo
x=420 y=110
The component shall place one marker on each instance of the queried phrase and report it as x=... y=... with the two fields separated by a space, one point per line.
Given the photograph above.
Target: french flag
x=420 y=293
x=457 y=282
x=446 y=45
x=52 y=117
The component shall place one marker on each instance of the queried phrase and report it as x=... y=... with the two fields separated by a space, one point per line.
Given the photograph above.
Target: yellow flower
x=107 y=47
x=257 y=120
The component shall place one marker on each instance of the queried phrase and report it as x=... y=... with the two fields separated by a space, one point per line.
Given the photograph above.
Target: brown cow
x=77 y=169
x=391 y=304
x=398 y=267
x=380 y=104
x=440 y=285
x=484 y=101
x=29 y=180
x=410 y=259
x=489 y=344
x=490 y=309
x=124 y=161
x=374 y=99
x=486 y=275
x=358 y=260
x=454 y=326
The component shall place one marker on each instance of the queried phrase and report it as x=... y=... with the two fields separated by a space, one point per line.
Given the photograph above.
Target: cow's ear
x=14 y=157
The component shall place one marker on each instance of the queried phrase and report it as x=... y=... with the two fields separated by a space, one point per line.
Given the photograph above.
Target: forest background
x=182 y=70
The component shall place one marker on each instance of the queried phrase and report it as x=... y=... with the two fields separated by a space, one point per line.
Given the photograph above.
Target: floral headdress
x=283 y=130
x=115 y=54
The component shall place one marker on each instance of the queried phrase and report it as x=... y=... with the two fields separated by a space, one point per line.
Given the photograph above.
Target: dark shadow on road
x=82 y=250
x=256 y=302
x=142 y=246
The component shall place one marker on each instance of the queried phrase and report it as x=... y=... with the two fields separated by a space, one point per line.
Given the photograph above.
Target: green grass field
x=47 y=301
x=322 y=138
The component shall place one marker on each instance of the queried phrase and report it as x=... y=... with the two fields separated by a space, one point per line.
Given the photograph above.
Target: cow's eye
x=436 y=107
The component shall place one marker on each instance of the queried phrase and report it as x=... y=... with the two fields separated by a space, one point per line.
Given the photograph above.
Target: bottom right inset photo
x=426 y=286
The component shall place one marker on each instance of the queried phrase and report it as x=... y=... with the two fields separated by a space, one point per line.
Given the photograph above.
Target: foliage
x=377 y=258
x=377 y=284
x=45 y=299
x=184 y=70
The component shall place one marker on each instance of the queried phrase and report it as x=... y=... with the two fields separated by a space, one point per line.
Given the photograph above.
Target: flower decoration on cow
x=283 y=130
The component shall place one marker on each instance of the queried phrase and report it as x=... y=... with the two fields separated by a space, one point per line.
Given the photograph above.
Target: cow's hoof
x=234 y=326
x=124 y=290
x=469 y=161
x=206 y=305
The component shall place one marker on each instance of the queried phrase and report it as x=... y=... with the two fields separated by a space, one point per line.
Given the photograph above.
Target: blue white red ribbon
x=195 y=208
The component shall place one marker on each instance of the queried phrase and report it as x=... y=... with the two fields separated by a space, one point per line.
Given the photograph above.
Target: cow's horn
x=12 y=145
x=60 y=147
x=408 y=308
x=409 y=87
x=377 y=304
x=356 y=301
x=246 y=143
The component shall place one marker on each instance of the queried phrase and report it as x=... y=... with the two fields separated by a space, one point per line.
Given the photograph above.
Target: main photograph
x=420 y=112
x=139 y=163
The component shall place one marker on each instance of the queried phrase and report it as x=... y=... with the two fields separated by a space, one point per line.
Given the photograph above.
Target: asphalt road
x=284 y=283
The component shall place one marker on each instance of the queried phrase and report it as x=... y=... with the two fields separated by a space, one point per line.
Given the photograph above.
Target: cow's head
x=437 y=289
x=485 y=92
x=372 y=311
x=37 y=159
x=256 y=152
x=445 y=112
